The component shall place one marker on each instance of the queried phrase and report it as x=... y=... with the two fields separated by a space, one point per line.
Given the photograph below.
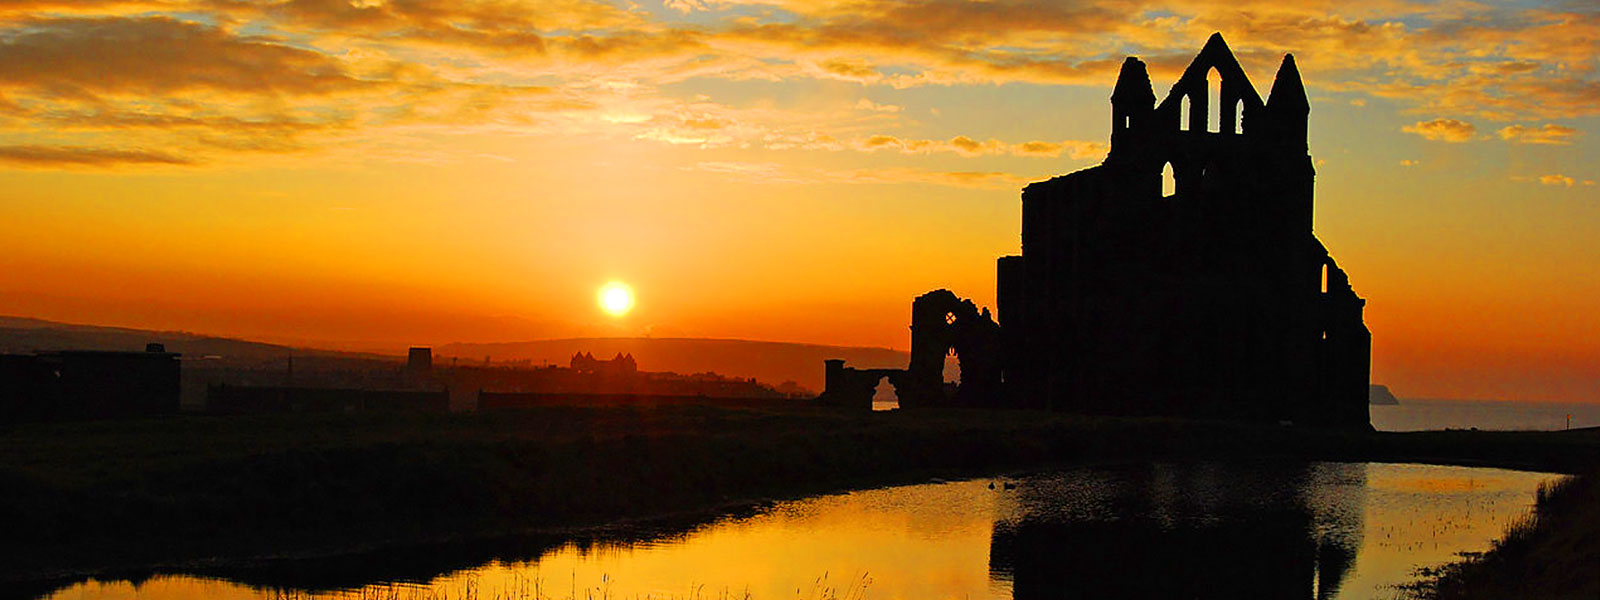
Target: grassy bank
x=96 y=497
x=1554 y=554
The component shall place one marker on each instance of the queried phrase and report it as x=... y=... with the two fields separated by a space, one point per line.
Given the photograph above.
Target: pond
x=1164 y=530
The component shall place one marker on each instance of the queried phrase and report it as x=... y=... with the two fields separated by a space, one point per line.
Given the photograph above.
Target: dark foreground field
x=207 y=492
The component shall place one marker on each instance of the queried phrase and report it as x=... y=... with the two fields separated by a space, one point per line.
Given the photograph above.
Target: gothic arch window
x=1169 y=181
x=1213 y=101
x=1183 y=113
x=1238 y=117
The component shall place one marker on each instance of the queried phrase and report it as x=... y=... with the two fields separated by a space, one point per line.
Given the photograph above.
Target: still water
x=1166 y=530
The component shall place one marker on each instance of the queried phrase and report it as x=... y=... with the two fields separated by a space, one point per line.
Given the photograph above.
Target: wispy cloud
x=1550 y=133
x=54 y=156
x=1443 y=130
x=1556 y=179
x=967 y=146
x=1552 y=180
x=779 y=173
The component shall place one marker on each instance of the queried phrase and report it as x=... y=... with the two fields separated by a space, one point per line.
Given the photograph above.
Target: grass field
x=84 y=498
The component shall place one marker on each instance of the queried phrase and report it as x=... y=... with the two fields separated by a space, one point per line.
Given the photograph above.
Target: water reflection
x=1187 y=530
x=1192 y=531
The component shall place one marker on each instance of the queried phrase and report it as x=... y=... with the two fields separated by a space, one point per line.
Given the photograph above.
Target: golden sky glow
x=390 y=172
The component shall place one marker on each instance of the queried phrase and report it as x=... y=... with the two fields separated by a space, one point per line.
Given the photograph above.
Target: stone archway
x=850 y=387
x=942 y=324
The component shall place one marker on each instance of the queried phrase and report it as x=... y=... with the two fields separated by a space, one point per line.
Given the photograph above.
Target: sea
x=1421 y=414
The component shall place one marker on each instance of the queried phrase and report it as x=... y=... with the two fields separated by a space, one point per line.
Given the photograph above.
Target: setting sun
x=616 y=298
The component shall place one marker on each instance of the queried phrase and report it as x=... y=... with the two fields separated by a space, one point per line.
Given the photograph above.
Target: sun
x=616 y=298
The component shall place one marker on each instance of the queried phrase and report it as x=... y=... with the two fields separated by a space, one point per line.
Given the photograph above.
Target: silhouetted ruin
x=849 y=387
x=1179 y=277
x=88 y=384
x=419 y=360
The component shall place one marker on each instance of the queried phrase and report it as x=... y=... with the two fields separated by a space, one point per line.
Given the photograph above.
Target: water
x=1422 y=414
x=1181 y=530
x=1415 y=414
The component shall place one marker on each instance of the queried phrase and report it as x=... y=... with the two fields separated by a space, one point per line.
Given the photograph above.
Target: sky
x=377 y=173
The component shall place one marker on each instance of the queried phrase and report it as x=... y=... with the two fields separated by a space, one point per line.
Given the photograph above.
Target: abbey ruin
x=1179 y=277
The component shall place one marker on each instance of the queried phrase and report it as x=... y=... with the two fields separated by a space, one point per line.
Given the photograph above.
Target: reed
x=1552 y=553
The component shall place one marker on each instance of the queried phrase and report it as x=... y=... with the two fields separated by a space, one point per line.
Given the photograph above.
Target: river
x=1167 y=530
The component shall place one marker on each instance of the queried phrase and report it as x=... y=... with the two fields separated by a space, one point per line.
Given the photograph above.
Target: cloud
x=1550 y=133
x=1076 y=149
x=210 y=78
x=73 y=57
x=967 y=146
x=779 y=173
x=59 y=156
x=866 y=104
x=495 y=26
x=1556 y=180
x=686 y=6
x=1410 y=163
x=1552 y=180
x=1443 y=130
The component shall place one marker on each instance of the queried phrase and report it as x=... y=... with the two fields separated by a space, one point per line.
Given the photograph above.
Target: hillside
x=21 y=334
x=768 y=362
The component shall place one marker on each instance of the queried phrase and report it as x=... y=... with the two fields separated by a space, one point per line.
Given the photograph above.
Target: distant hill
x=768 y=362
x=22 y=335
x=1380 y=395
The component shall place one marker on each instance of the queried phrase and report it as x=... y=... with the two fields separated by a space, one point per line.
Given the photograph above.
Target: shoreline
x=466 y=480
x=1550 y=554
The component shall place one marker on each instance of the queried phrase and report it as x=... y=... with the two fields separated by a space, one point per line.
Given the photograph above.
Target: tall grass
x=1552 y=553
x=525 y=587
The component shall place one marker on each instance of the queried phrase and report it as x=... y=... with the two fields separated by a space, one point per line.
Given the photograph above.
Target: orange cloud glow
x=388 y=172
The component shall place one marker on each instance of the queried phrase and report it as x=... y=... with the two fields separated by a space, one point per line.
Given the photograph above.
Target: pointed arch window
x=1183 y=113
x=1213 y=101
x=1169 y=181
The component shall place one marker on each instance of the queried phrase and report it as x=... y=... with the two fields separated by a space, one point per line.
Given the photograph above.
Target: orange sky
x=379 y=172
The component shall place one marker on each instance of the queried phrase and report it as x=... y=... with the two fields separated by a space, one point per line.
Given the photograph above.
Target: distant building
x=419 y=361
x=591 y=381
x=621 y=364
x=89 y=384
